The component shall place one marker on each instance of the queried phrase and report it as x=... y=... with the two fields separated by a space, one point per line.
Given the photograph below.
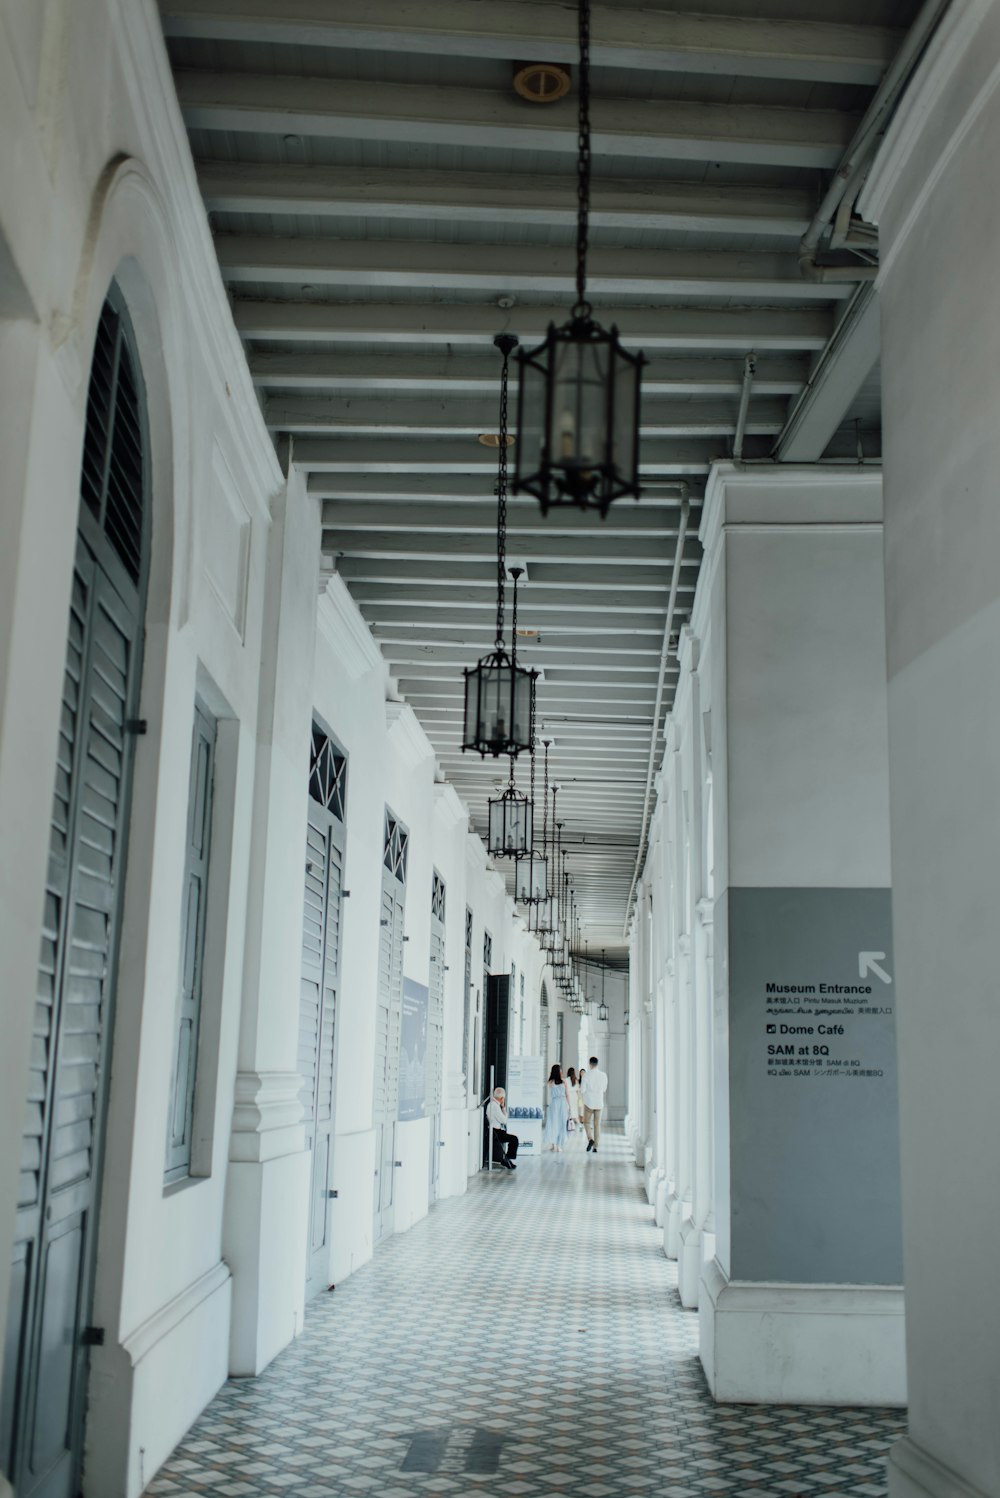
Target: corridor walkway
x=525 y=1340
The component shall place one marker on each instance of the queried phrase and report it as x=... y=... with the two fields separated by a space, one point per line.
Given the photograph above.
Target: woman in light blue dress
x=557 y=1111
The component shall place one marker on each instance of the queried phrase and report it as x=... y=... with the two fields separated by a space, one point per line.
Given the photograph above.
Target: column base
x=660 y=1201
x=672 y=1218
x=914 y=1473
x=266 y=1217
x=654 y=1175
x=801 y=1344
x=689 y=1264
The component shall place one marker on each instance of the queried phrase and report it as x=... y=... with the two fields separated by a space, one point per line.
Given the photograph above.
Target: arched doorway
x=52 y=1277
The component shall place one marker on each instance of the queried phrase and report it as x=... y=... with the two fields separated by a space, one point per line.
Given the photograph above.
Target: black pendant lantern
x=578 y=392
x=500 y=694
x=532 y=874
x=602 y=1012
x=510 y=822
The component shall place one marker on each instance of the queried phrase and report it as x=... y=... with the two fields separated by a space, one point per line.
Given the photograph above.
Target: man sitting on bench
x=504 y=1144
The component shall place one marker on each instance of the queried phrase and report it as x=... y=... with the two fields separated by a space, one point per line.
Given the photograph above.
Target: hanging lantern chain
x=583 y=307
x=506 y=343
x=545 y=803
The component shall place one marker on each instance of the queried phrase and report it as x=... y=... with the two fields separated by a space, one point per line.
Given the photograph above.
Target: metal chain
x=502 y=499
x=532 y=753
x=545 y=805
x=582 y=308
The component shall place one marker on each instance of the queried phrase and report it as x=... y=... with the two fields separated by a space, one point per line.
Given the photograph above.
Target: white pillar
x=939 y=226
x=693 y=1221
x=264 y=1235
x=803 y=1300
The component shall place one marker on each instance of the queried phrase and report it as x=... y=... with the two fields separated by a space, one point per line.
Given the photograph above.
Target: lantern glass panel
x=532 y=400
x=510 y=825
x=578 y=434
x=494 y=714
x=523 y=705
x=531 y=878
x=626 y=418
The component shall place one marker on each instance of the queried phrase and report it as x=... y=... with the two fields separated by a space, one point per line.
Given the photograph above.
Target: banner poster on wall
x=413 y=1050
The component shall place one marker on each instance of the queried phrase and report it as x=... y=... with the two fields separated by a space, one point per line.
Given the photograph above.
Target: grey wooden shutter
x=199 y=830
x=51 y=1287
x=388 y=1015
x=435 y=1005
x=467 y=1016
x=63 y=1137
x=319 y=982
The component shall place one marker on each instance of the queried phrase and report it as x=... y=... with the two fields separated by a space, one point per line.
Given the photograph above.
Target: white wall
x=939 y=230
x=96 y=182
x=390 y=762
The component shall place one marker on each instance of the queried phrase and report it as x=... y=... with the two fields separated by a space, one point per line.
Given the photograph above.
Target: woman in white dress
x=574 y=1111
x=557 y=1111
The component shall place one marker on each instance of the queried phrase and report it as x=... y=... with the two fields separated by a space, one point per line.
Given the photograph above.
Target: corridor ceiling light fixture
x=531 y=874
x=510 y=822
x=602 y=1012
x=500 y=694
x=578 y=392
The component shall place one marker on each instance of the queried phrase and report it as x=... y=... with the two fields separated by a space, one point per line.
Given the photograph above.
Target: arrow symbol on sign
x=868 y=962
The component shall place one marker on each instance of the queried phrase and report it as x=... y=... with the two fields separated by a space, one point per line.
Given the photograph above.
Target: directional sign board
x=814 y=1134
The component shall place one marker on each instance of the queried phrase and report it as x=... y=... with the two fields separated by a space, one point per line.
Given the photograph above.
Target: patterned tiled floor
x=525 y=1340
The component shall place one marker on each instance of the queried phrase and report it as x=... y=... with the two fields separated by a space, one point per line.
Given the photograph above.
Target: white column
x=939 y=226
x=264 y=1234
x=694 y=1219
x=803 y=1300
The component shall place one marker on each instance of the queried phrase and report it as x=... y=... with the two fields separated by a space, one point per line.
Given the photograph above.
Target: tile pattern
x=525 y=1337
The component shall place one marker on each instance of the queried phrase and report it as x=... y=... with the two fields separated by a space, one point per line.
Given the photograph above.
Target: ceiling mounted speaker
x=541 y=82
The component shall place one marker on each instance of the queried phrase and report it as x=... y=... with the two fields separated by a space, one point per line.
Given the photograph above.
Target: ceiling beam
x=663 y=494
x=470 y=581
x=369 y=455
x=409 y=374
x=547 y=619
x=543 y=200
x=427 y=114
x=459 y=416
x=734 y=329
x=624 y=550
x=414 y=603
x=389 y=264
x=479 y=518
x=623 y=36
x=840 y=372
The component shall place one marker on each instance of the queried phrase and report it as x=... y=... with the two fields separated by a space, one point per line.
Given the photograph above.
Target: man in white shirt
x=496 y=1116
x=593 y=1088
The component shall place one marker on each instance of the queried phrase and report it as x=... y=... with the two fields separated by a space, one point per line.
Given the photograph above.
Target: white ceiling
x=377 y=189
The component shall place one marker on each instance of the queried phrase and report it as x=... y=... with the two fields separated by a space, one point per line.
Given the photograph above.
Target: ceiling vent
x=541 y=82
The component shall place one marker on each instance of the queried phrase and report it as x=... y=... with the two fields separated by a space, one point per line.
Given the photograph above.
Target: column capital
x=267 y=1116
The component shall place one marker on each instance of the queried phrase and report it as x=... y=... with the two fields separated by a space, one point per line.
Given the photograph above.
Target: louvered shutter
x=320 y=976
x=199 y=828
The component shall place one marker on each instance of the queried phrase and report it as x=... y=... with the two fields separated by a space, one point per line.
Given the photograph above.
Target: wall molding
x=774 y=1343
x=405 y=732
x=934 y=73
x=165 y=1320
x=915 y=1473
x=267 y=1116
x=448 y=804
x=343 y=627
x=157 y=113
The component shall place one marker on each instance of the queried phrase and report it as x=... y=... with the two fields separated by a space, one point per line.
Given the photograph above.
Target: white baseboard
x=146 y=1392
x=801 y=1344
x=914 y=1473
